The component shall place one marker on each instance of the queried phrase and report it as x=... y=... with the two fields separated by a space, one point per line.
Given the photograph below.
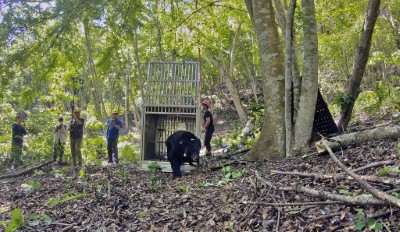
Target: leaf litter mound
x=124 y=198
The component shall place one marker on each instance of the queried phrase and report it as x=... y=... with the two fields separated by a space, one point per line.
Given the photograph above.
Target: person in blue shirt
x=113 y=126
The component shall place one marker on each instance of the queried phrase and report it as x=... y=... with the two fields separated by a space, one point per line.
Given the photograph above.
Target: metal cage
x=171 y=103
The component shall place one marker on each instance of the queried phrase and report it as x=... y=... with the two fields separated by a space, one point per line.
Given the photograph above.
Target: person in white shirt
x=60 y=137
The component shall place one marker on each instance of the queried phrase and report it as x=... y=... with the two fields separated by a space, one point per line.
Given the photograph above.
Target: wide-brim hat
x=115 y=111
x=77 y=110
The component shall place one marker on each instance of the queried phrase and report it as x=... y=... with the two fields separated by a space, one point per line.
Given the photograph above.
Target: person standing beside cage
x=60 y=137
x=114 y=125
x=208 y=127
x=76 y=135
x=18 y=132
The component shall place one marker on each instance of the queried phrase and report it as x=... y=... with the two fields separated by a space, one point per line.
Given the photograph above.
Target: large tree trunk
x=99 y=107
x=271 y=142
x=296 y=80
x=309 y=85
x=360 y=63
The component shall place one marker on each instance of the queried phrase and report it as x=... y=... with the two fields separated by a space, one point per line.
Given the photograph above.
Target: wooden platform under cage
x=165 y=165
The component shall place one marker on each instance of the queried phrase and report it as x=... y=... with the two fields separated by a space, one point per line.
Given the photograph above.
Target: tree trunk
x=289 y=78
x=360 y=63
x=252 y=76
x=127 y=91
x=99 y=107
x=309 y=85
x=234 y=93
x=139 y=75
x=271 y=142
x=296 y=80
x=227 y=75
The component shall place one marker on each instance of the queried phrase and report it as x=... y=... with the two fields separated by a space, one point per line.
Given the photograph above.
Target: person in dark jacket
x=76 y=135
x=208 y=126
x=18 y=132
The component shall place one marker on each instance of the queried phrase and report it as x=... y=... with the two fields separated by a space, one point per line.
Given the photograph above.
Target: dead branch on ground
x=357 y=200
x=27 y=170
x=370 y=178
x=372 y=165
x=375 y=192
x=283 y=204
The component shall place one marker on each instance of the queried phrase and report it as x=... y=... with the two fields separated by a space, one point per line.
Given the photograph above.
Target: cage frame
x=164 y=99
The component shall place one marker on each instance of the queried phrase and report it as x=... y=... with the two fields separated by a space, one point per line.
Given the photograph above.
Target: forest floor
x=246 y=197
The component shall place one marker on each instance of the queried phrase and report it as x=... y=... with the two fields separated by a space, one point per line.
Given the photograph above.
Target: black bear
x=182 y=146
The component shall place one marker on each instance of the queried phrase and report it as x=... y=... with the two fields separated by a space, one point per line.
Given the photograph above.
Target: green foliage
x=82 y=172
x=294 y=212
x=385 y=171
x=143 y=214
x=229 y=174
x=69 y=196
x=256 y=113
x=344 y=192
x=128 y=153
x=38 y=173
x=154 y=168
x=122 y=175
x=366 y=223
x=184 y=188
x=342 y=100
x=31 y=187
x=17 y=220
x=394 y=194
x=398 y=150
x=94 y=149
x=155 y=183
x=237 y=138
x=36 y=219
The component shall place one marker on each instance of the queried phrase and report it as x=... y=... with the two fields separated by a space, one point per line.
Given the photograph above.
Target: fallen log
x=375 y=192
x=342 y=141
x=370 y=178
x=27 y=170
